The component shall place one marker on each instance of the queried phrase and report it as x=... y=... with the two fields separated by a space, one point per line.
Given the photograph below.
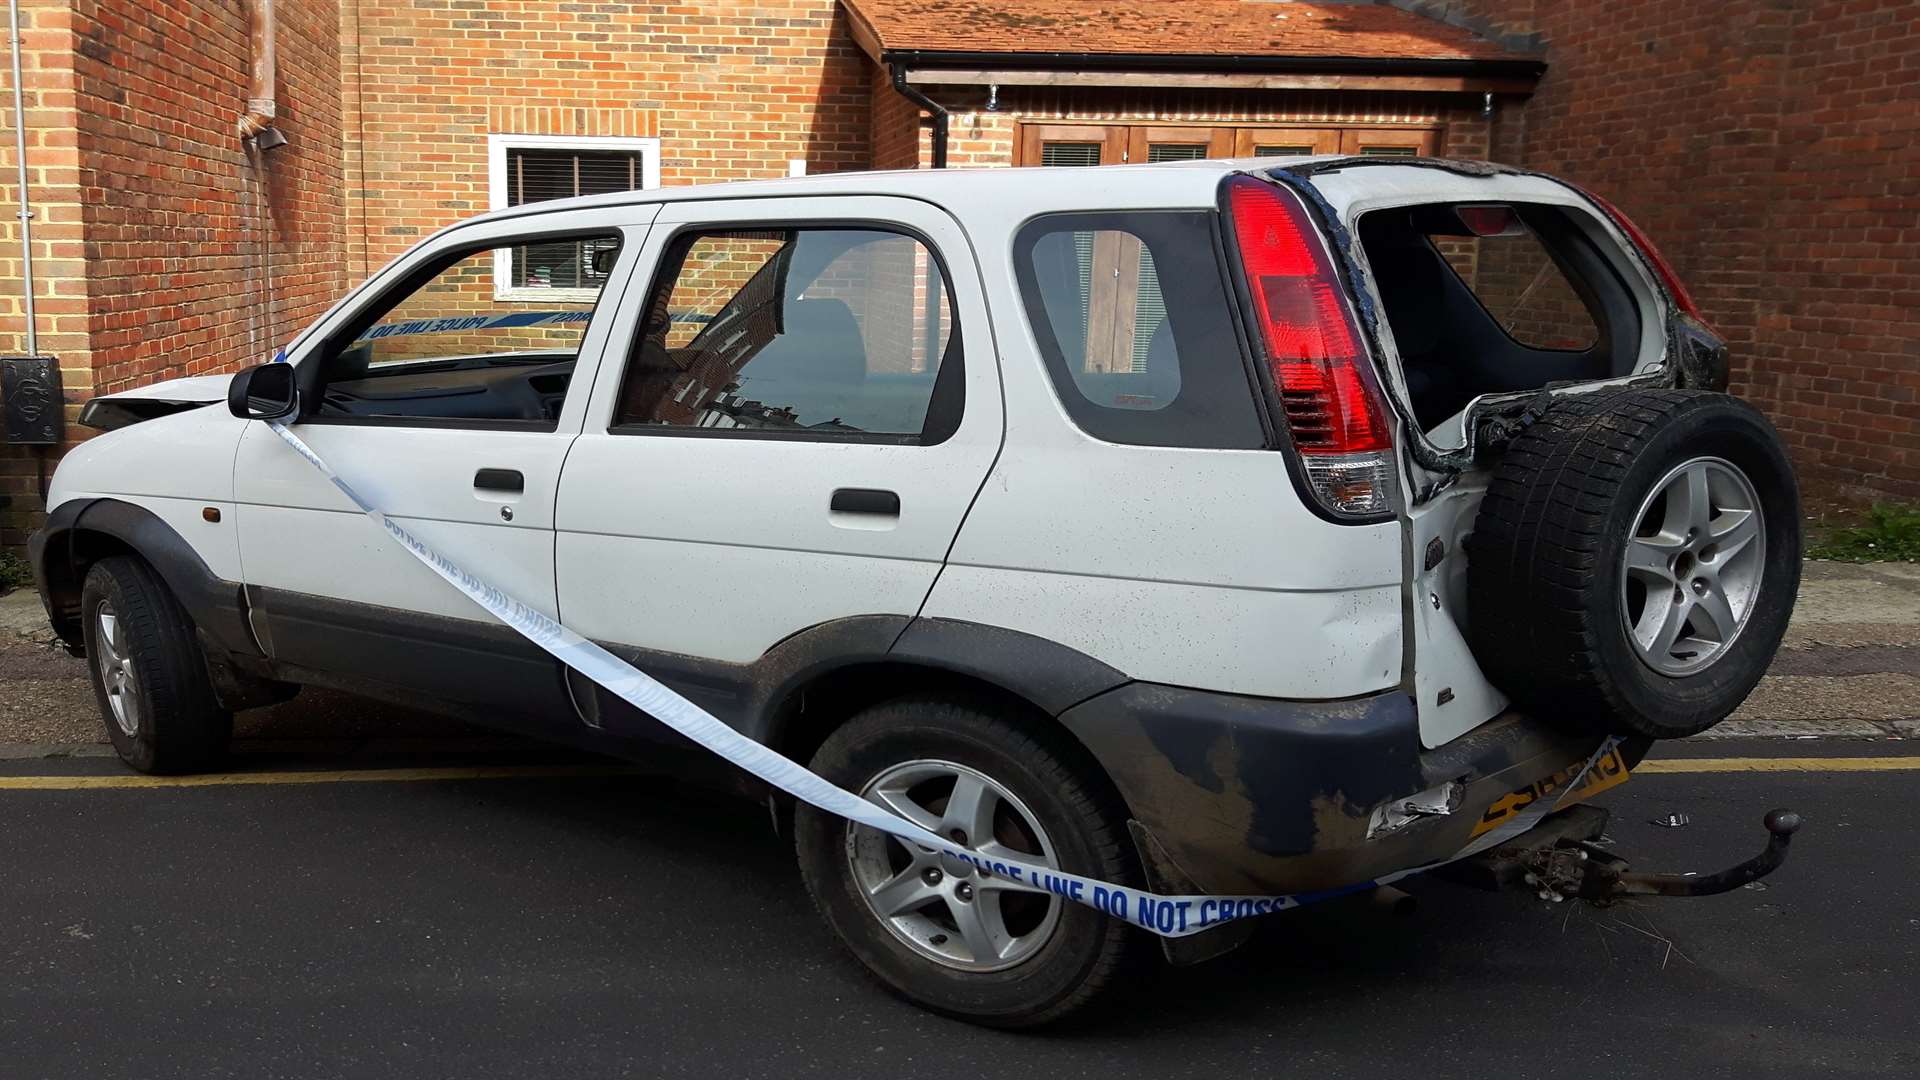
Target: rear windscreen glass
x=1135 y=324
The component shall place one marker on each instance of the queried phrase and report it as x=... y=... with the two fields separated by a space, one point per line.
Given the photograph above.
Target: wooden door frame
x=1124 y=140
x=1217 y=138
x=1319 y=140
x=1423 y=140
x=1112 y=139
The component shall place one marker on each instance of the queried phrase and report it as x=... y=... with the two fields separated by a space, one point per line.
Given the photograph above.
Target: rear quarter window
x=1135 y=324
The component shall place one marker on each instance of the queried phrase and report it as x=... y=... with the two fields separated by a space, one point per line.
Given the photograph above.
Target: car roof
x=1173 y=183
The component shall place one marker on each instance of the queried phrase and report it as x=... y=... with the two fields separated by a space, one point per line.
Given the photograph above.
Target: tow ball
x=1583 y=869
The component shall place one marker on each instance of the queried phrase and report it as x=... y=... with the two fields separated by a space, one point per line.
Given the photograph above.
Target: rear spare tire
x=1635 y=560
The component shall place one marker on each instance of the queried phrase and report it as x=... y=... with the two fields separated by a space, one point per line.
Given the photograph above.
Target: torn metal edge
x=1694 y=357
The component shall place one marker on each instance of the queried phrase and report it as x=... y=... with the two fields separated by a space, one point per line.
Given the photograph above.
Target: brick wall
x=1772 y=149
x=1521 y=287
x=60 y=283
x=893 y=142
x=732 y=90
x=153 y=230
x=201 y=259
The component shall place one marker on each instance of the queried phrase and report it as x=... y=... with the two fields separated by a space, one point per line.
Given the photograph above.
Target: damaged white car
x=1233 y=528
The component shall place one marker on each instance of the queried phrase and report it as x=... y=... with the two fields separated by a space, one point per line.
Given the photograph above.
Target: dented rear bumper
x=1242 y=795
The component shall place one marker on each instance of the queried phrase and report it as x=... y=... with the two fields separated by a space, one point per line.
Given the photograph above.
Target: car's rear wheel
x=149 y=677
x=1635 y=560
x=937 y=931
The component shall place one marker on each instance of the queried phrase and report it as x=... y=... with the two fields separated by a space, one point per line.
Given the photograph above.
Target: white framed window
x=534 y=168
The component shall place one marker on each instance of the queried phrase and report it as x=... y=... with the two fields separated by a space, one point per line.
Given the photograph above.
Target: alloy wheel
x=1693 y=566
x=115 y=664
x=945 y=909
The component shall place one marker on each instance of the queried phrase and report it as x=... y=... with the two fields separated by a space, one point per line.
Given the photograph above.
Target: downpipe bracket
x=1591 y=873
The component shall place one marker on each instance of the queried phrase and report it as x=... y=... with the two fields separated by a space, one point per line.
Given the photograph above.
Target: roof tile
x=1171 y=28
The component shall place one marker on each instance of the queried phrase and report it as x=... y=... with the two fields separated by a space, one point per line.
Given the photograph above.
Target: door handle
x=506 y=480
x=865 y=501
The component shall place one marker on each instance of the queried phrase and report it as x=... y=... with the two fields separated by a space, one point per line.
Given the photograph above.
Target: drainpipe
x=30 y=384
x=258 y=135
x=26 y=200
x=257 y=122
x=918 y=97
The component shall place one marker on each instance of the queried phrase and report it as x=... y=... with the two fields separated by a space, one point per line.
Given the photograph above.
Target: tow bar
x=1583 y=869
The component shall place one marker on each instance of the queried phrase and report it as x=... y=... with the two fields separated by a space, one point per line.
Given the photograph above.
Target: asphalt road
x=610 y=926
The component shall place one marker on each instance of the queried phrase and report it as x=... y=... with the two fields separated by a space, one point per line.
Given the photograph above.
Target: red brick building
x=1772 y=147
x=1770 y=144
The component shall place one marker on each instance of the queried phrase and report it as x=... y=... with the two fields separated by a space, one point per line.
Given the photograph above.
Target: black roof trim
x=1216 y=62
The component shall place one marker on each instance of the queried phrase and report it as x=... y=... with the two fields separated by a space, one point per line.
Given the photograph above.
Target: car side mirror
x=603 y=259
x=266 y=392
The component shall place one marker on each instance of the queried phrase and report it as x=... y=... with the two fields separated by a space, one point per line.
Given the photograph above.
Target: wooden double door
x=1119 y=144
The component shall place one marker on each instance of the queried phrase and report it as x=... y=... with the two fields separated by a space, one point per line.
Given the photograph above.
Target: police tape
x=456 y=323
x=448 y=324
x=1169 y=916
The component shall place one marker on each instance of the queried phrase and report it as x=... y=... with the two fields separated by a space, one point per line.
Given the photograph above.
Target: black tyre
x=148 y=674
x=1635 y=561
x=945 y=936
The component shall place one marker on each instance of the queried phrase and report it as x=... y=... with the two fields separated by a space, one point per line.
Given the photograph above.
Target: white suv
x=1233 y=527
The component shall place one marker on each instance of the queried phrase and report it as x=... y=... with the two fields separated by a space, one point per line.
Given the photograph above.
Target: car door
x=447 y=392
x=799 y=404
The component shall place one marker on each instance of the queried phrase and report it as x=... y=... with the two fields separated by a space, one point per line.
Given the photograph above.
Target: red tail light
x=1681 y=298
x=1327 y=393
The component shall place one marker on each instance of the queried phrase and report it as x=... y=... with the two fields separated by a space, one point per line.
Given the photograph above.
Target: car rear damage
x=1694 y=357
x=1467 y=752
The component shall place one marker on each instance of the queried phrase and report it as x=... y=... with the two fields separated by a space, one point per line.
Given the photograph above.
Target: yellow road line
x=1783 y=764
x=331 y=776
x=534 y=772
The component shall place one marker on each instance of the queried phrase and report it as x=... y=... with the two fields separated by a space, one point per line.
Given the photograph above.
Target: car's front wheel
x=936 y=930
x=148 y=674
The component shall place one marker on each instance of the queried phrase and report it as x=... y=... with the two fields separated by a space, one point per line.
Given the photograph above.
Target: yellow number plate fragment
x=1610 y=771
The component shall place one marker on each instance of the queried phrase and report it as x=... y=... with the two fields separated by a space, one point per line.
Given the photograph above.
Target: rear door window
x=801 y=333
x=1134 y=321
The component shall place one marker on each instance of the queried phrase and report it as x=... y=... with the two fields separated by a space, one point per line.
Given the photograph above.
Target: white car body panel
x=299 y=533
x=1196 y=568
x=1300 y=645
x=720 y=547
x=1452 y=693
x=175 y=466
x=207 y=388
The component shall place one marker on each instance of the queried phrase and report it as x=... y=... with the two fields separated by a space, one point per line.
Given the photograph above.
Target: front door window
x=448 y=349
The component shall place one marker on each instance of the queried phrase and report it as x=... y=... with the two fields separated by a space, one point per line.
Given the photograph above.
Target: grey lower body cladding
x=1259 y=795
